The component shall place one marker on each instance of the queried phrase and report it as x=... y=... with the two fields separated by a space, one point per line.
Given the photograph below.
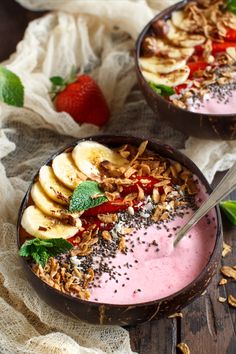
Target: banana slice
x=51 y=208
x=182 y=38
x=178 y=19
x=88 y=155
x=39 y=225
x=161 y=65
x=44 y=203
x=175 y=78
x=52 y=187
x=166 y=50
x=65 y=170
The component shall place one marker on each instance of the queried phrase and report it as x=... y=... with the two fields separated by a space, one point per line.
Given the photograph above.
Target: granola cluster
x=173 y=180
x=61 y=275
x=209 y=18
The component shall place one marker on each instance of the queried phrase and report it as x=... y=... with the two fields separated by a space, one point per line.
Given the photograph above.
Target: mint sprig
x=87 y=195
x=229 y=208
x=11 y=88
x=41 y=250
x=231 y=6
x=162 y=90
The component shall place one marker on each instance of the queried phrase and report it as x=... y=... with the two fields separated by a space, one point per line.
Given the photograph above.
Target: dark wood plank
x=207 y=325
x=156 y=337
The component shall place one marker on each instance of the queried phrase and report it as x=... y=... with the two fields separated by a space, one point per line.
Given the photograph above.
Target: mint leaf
x=41 y=256
x=229 y=208
x=37 y=257
x=59 y=245
x=11 y=88
x=31 y=246
x=162 y=90
x=231 y=6
x=57 y=80
x=41 y=250
x=26 y=249
x=86 y=195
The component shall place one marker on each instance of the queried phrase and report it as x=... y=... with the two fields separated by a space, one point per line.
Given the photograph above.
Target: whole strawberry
x=82 y=98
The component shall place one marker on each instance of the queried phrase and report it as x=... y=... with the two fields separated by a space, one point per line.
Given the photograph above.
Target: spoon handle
x=226 y=186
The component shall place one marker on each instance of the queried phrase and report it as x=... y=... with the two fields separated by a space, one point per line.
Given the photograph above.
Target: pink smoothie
x=152 y=268
x=213 y=105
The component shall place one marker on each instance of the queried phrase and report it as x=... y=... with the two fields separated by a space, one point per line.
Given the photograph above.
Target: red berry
x=147 y=186
x=230 y=35
x=107 y=207
x=84 y=101
x=196 y=66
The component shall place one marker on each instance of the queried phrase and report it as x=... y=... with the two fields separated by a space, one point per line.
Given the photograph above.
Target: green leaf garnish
x=57 y=80
x=41 y=250
x=229 y=208
x=59 y=83
x=162 y=90
x=11 y=88
x=86 y=195
x=231 y=6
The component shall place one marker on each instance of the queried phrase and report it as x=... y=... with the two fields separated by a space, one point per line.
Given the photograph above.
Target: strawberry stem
x=59 y=83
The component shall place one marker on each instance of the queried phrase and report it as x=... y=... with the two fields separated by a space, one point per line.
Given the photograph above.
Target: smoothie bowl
x=97 y=225
x=186 y=67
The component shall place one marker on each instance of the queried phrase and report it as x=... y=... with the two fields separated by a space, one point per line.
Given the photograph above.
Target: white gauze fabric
x=97 y=37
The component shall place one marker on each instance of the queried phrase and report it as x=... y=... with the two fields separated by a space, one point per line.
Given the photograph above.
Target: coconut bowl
x=205 y=126
x=101 y=313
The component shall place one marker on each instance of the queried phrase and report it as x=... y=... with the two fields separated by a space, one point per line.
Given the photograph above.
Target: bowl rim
x=139 y=139
x=163 y=14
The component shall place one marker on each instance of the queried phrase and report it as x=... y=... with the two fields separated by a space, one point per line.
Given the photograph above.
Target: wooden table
x=207 y=326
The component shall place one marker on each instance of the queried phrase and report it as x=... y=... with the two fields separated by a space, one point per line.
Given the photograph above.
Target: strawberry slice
x=230 y=35
x=196 y=66
x=199 y=49
x=107 y=207
x=145 y=182
x=221 y=47
x=179 y=88
x=74 y=240
x=216 y=47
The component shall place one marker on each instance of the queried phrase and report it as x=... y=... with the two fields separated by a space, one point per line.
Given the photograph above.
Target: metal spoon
x=226 y=186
